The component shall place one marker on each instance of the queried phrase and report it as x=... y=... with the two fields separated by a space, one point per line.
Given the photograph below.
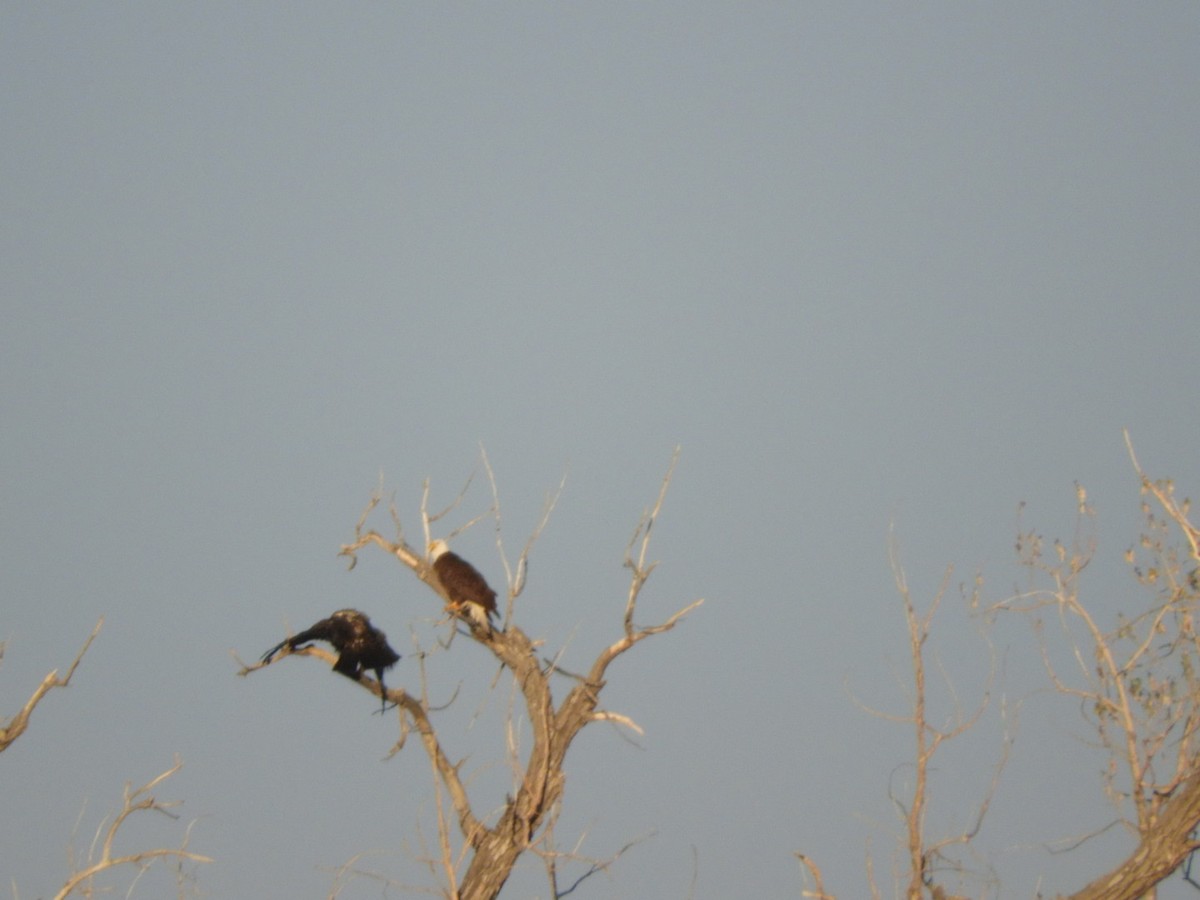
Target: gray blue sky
x=866 y=264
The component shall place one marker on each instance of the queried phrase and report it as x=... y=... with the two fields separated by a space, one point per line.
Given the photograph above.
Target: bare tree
x=925 y=857
x=927 y=863
x=477 y=864
x=1136 y=683
x=101 y=857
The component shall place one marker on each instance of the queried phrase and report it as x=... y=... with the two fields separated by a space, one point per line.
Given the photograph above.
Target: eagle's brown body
x=464 y=587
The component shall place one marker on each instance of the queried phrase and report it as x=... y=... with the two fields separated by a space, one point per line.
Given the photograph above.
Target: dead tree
x=102 y=858
x=925 y=856
x=1137 y=682
x=488 y=850
x=925 y=863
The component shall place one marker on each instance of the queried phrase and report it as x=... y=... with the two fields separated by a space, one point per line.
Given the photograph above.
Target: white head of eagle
x=465 y=588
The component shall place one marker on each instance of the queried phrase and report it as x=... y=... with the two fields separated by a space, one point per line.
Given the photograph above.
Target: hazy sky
x=867 y=264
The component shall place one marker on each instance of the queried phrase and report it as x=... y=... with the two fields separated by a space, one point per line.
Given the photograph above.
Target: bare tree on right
x=1136 y=681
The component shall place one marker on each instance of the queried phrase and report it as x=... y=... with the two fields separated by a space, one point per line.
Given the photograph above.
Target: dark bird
x=465 y=588
x=360 y=645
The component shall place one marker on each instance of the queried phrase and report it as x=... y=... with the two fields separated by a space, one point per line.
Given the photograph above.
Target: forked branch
x=137 y=800
x=15 y=727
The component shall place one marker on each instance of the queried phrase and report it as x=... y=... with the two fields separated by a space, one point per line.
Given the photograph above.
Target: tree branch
x=15 y=727
x=140 y=800
x=818 y=891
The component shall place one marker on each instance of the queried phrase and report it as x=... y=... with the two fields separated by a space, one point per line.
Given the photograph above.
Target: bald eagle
x=360 y=645
x=466 y=589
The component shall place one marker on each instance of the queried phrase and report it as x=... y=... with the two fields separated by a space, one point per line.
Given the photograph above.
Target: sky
x=873 y=269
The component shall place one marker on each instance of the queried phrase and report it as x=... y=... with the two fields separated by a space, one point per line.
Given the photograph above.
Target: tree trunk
x=1162 y=850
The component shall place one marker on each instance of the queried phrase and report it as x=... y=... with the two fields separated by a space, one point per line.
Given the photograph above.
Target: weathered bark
x=497 y=849
x=1161 y=851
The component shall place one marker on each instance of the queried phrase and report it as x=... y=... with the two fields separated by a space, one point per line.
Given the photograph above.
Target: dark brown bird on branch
x=360 y=646
x=465 y=588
